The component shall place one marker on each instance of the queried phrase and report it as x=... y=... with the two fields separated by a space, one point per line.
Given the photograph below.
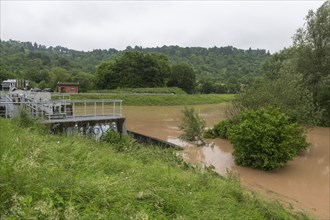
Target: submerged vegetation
x=264 y=139
x=47 y=176
x=192 y=126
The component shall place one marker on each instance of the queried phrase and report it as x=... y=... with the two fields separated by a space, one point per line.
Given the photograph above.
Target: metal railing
x=62 y=109
x=7 y=109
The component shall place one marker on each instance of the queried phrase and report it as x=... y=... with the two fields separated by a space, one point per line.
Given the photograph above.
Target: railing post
x=114 y=107
x=121 y=108
x=85 y=107
x=37 y=111
x=94 y=108
x=73 y=109
x=6 y=110
x=102 y=107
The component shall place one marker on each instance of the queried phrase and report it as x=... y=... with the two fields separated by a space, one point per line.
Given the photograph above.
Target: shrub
x=209 y=133
x=119 y=142
x=219 y=130
x=266 y=139
x=24 y=119
x=192 y=126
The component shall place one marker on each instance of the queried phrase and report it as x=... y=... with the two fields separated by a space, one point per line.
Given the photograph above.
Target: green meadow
x=44 y=176
x=150 y=99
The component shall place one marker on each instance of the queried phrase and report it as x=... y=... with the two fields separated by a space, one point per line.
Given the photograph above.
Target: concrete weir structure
x=82 y=117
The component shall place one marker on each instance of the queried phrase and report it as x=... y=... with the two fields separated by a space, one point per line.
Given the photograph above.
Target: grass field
x=157 y=99
x=165 y=90
x=45 y=176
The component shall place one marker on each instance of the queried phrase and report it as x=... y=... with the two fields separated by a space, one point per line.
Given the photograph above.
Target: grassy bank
x=46 y=176
x=164 y=90
x=157 y=99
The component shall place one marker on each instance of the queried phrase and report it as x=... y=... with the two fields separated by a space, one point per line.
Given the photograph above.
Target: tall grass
x=46 y=176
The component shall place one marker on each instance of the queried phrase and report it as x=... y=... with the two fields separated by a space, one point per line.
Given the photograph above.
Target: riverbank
x=52 y=176
x=130 y=99
x=303 y=183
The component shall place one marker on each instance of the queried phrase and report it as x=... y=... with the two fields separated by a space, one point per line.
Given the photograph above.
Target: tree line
x=216 y=70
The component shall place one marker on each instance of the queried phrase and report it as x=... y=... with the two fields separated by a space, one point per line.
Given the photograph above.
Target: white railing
x=61 y=109
x=7 y=109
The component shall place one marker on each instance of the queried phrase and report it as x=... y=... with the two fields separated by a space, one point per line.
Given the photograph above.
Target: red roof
x=67 y=84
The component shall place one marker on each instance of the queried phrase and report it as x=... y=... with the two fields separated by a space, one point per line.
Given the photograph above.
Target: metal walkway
x=65 y=115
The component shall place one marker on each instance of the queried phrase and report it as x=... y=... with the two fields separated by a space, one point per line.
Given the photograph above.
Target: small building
x=12 y=84
x=8 y=85
x=67 y=87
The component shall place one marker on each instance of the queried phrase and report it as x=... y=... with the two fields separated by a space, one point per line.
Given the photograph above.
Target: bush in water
x=266 y=139
x=192 y=126
x=221 y=129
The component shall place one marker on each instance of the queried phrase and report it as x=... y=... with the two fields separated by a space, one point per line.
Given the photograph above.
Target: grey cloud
x=88 y=25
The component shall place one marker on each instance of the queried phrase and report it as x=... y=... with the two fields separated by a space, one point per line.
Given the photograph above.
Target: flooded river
x=303 y=183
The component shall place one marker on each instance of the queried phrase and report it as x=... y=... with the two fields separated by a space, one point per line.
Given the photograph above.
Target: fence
x=62 y=109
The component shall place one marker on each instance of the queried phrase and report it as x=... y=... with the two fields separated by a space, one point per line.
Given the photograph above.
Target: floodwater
x=302 y=184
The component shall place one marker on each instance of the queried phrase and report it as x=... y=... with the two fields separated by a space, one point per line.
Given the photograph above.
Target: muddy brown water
x=302 y=184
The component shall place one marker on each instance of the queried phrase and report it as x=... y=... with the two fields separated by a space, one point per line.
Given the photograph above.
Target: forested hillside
x=217 y=70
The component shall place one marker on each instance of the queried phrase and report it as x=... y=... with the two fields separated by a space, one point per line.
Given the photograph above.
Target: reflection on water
x=211 y=154
x=303 y=182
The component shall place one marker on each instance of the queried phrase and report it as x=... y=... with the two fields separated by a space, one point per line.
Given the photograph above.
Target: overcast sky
x=88 y=25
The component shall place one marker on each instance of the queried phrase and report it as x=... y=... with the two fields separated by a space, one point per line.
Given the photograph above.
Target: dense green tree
x=5 y=74
x=286 y=92
x=85 y=80
x=312 y=43
x=313 y=46
x=206 y=86
x=106 y=78
x=58 y=74
x=182 y=76
x=297 y=79
x=133 y=69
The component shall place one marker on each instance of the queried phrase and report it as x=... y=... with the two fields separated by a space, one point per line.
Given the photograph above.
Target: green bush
x=221 y=129
x=266 y=139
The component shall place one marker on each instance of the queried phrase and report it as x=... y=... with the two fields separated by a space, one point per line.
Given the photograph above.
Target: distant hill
x=222 y=66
